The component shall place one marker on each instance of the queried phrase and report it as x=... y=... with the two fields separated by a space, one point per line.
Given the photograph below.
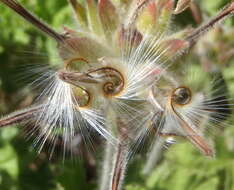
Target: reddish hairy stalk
x=119 y=167
x=19 y=116
x=121 y=158
x=227 y=11
x=15 y=6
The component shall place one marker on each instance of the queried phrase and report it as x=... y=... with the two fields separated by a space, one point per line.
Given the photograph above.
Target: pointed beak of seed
x=76 y=77
x=64 y=76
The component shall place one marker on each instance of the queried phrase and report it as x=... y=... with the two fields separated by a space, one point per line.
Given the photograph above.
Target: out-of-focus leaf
x=210 y=184
x=9 y=161
x=72 y=177
x=8 y=134
x=135 y=187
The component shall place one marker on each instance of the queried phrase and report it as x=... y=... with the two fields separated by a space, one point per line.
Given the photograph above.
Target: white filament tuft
x=61 y=118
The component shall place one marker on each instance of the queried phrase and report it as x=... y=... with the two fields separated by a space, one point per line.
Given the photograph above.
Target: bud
x=108 y=16
x=79 y=11
x=165 y=9
x=181 y=6
x=146 y=21
x=93 y=18
x=79 y=45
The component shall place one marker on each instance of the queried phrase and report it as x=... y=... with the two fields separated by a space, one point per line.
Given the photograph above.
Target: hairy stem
x=106 y=169
x=19 y=116
x=155 y=155
x=116 y=156
x=15 y=6
x=225 y=13
x=119 y=167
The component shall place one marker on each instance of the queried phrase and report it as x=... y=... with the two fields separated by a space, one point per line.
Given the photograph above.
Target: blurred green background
x=183 y=168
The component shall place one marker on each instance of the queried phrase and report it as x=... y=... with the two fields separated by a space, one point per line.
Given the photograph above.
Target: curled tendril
x=68 y=64
x=113 y=80
x=110 y=79
x=81 y=95
x=181 y=96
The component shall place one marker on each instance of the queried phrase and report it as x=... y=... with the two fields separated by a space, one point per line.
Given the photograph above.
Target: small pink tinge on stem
x=155 y=72
x=175 y=46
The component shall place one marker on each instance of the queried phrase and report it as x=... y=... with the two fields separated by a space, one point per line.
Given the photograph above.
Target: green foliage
x=21 y=168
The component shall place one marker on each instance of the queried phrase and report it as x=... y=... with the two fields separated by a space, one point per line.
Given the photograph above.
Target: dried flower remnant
x=116 y=80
